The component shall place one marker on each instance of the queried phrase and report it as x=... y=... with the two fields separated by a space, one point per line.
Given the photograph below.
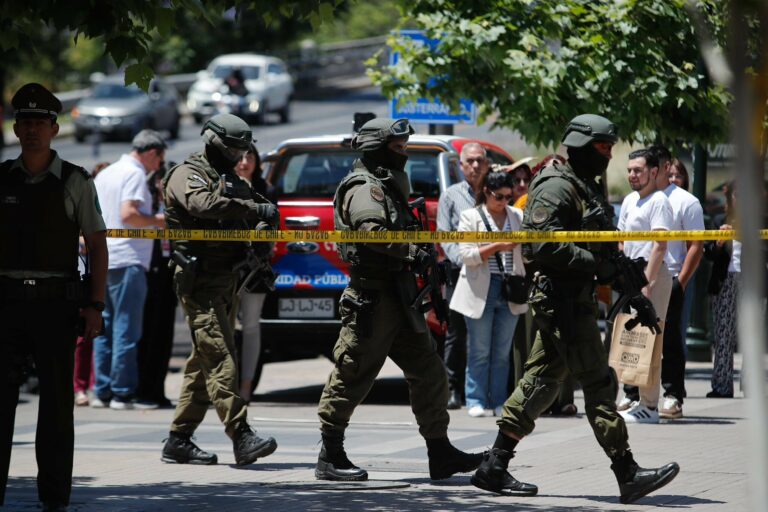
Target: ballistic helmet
x=377 y=132
x=232 y=131
x=586 y=128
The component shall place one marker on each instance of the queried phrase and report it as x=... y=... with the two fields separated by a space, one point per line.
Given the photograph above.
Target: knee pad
x=538 y=394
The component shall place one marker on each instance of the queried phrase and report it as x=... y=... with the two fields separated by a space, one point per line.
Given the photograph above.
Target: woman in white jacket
x=491 y=320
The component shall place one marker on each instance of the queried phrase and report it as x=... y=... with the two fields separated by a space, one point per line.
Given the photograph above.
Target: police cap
x=34 y=100
x=377 y=132
x=233 y=131
x=586 y=128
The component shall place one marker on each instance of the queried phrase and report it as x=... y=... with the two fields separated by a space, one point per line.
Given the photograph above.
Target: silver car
x=119 y=112
x=267 y=81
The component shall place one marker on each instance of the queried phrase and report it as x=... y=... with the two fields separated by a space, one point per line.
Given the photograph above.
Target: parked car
x=118 y=111
x=270 y=87
x=301 y=317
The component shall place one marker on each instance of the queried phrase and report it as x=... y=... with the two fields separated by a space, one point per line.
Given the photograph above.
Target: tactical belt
x=48 y=288
x=367 y=283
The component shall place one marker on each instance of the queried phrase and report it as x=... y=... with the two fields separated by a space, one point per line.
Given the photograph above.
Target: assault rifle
x=255 y=269
x=434 y=274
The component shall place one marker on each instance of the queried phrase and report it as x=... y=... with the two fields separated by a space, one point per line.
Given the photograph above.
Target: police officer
x=205 y=193
x=565 y=311
x=377 y=320
x=45 y=204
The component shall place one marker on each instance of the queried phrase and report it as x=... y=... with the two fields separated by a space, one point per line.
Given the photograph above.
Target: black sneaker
x=248 y=446
x=179 y=449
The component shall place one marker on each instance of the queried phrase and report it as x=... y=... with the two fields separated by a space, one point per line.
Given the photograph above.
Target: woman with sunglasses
x=491 y=319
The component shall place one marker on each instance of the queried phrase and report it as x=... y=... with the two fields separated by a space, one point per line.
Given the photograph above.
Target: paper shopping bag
x=635 y=355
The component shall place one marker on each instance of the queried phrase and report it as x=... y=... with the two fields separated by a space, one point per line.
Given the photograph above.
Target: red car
x=301 y=317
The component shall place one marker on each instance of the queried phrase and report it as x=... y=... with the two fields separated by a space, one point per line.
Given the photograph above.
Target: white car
x=269 y=86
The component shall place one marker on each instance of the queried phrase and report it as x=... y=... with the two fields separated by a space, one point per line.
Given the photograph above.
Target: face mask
x=383 y=157
x=587 y=160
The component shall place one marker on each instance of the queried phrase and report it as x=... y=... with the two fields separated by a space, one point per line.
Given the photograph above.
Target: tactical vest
x=595 y=213
x=36 y=233
x=398 y=217
x=177 y=217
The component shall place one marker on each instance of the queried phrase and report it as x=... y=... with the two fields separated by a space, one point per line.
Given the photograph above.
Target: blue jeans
x=489 y=341
x=115 y=352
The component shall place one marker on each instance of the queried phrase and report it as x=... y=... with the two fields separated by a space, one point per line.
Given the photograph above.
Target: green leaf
x=140 y=74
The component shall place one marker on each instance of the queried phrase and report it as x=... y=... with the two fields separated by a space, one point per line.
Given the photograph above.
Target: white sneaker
x=671 y=409
x=120 y=404
x=625 y=403
x=98 y=403
x=476 y=411
x=639 y=413
x=81 y=399
x=497 y=411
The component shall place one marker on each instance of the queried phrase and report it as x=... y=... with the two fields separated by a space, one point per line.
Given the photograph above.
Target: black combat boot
x=492 y=475
x=179 y=449
x=333 y=464
x=454 y=399
x=248 y=446
x=635 y=482
x=445 y=460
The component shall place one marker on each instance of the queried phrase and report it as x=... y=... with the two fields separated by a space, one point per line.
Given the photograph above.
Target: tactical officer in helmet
x=561 y=198
x=205 y=193
x=376 y=313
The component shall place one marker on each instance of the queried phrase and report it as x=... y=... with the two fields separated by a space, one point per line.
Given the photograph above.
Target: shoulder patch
x=195 y=181
x=539 y=215
x=377 y=194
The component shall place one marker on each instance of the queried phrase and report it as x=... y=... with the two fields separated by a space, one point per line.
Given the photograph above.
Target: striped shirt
x=456 y=199
x=506 y=256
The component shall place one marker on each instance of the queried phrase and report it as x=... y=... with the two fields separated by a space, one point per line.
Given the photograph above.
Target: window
x=224 y=70
x=275 y=69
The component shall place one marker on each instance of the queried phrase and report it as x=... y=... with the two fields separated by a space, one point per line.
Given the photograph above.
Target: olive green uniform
x=565 y=311
x=376 y=320
x=198 y=197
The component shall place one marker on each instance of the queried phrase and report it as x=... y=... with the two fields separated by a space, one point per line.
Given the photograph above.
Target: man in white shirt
x=126 y=203
x=647 y=209
x=683 y=258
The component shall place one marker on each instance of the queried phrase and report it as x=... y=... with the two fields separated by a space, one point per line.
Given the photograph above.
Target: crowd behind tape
x=384 y=237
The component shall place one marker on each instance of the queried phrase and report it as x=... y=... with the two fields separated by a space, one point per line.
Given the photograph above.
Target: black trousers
x=672 y=352
x=455 y=350
x=156 y=343
x=44 y=330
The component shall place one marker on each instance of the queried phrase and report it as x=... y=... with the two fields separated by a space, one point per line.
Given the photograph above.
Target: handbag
x=513 y=288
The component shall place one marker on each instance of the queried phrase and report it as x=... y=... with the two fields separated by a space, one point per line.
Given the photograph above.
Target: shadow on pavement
x=174 y=496
x=656 y=500
x=386 y=391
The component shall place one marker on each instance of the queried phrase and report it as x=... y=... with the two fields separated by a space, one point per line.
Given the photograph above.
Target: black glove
x=421 y=257
x=646 y=314
x=606 y=271
x=268 y=213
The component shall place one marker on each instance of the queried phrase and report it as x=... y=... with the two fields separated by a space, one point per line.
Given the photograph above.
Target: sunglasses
x=501 y=197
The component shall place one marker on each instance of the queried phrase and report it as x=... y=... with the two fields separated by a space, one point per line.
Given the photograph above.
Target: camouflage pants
x=366 y=338
x=568 y=342
x=210 y=375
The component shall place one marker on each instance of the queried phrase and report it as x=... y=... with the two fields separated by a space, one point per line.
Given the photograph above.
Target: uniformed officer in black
x=45 y=204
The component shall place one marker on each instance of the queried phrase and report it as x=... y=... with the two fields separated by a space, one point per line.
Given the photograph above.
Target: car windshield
x=249 y=72
x=317 y=173
x=113 y=90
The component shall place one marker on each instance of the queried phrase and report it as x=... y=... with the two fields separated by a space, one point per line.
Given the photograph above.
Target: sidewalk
x=118 y=468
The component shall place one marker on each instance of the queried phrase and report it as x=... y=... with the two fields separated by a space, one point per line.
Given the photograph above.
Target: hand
x=724 y=227
x=93 y=323
x=421 y=256
x=504 y=246
x=269 y=213
x=160 y=220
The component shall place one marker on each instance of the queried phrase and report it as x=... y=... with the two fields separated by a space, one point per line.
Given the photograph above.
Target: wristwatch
x=97 y=305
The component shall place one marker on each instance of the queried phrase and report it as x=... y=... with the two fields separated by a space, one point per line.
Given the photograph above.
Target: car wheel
x=261 y=115
x=285 y=113
x=79 y=136
x=174 y=131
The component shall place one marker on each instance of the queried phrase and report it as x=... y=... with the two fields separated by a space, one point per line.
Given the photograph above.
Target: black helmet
x=377 y=132
x=586 y=128
x=232 y=131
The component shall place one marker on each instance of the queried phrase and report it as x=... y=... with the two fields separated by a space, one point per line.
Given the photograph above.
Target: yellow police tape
x=236 y=235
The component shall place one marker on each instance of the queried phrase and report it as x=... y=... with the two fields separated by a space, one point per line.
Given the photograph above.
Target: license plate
x=305 y=308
